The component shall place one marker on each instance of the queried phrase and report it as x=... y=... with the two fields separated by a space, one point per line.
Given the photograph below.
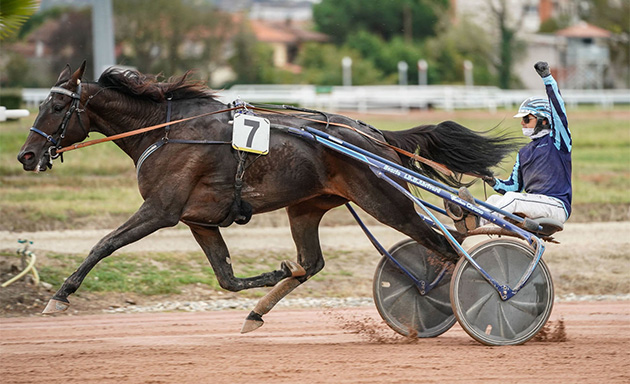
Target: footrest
x=549 y=226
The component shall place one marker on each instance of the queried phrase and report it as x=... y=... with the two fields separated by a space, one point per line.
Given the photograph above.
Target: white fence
x=404 y=98
x=392 y=97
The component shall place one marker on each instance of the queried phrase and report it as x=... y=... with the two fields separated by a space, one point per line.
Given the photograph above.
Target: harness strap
x=47 y=136
x=240 y=211
x=167 y=129
x=66 y=92
x=148 y=152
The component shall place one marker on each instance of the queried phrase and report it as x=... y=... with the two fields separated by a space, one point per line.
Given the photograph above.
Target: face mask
x=529 y=132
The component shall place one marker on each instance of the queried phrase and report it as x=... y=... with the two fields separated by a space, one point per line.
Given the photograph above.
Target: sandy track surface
x=313 y=346
x=350 y=345
x=576 y=237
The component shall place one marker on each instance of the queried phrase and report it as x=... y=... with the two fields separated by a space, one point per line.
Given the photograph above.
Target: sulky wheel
x=401 y=303
x=478 y=306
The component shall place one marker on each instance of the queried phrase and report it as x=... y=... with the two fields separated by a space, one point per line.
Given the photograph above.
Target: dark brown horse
x=195 y=183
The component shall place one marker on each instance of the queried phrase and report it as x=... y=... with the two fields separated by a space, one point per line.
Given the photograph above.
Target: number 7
x=255 y=125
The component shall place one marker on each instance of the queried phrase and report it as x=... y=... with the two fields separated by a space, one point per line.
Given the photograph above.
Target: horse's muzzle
x=30 y=161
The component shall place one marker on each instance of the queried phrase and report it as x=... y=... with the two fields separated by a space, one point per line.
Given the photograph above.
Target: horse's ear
x=78 y=74
x=64 y=75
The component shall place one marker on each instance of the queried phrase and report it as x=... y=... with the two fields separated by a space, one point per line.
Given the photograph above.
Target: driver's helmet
x=535 y=106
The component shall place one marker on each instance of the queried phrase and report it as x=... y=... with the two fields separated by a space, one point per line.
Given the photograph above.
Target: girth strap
x=240 y=211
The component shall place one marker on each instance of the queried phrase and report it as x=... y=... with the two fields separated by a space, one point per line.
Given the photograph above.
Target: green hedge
x=11 y=98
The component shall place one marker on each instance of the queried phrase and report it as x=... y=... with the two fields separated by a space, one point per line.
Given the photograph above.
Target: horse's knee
x=230 y=284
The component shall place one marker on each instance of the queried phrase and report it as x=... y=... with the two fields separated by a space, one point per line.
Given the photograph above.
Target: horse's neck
x=112 y=113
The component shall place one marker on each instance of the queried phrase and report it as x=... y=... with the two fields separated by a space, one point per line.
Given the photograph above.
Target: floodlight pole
x=346 y=64
x=468 y=73
x=422 y=72
x=402 y=72
x=102 y=35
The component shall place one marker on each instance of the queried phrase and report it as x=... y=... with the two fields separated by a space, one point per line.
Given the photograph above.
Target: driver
x=540 y=182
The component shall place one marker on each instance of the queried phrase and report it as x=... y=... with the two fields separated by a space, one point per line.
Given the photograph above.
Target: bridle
x=61 y=131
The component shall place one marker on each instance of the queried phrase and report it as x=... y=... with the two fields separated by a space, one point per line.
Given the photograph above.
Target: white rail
x=392 y=97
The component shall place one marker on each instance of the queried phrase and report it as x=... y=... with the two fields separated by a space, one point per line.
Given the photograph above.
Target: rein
x=414 y=156
x=139 y=131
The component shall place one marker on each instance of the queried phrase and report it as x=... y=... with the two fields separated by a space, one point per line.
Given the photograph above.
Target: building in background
x=585 y=56
x=286 y=39
x=578 y=56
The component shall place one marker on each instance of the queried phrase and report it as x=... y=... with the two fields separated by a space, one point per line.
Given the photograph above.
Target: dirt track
x=350 y=345
x=314 y=346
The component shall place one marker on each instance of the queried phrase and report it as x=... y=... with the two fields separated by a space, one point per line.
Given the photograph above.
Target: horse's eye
x=57 y=108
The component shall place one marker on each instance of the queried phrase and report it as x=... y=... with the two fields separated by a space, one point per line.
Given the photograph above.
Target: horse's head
x=58 y=123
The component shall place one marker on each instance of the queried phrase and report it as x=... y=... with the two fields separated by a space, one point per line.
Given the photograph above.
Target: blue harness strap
x=47 y=136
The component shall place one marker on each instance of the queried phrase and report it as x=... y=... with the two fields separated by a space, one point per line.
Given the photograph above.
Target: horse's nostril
x=28 y=156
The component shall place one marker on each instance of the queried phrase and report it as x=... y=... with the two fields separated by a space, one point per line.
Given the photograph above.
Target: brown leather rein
x=414 y=156
x=431 y=163
x=139 y=131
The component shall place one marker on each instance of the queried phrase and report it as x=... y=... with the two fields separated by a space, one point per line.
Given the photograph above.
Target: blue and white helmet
x=535 y=106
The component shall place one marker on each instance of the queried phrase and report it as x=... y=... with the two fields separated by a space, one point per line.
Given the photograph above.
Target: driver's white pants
x=532 y=205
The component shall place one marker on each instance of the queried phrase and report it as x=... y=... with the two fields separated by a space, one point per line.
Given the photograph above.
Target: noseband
x=74 y=107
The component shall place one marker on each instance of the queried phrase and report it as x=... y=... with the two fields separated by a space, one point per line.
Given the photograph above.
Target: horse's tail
x=455 y=146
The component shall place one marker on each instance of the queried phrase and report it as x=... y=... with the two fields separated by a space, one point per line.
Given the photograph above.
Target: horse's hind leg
x=304 y=219
x=211 y=241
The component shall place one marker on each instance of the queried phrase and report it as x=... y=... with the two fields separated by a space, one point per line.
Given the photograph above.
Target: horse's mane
x=148 y=86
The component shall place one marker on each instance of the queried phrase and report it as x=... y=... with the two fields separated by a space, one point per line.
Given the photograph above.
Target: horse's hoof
x=55 y=306
x=252 y=322
x=296 y=269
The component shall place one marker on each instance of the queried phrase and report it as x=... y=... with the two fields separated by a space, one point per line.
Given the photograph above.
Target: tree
x=507 y=41
x=385 y=55
x=170 y=36
x=13 y=13
x=252 y=62
x=322 y=66
x=67 y=35
x=71 y=42
x=414 y=19
x=453 y=45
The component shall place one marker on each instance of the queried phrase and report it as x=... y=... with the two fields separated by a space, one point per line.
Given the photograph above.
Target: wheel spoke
x=504 y=324
x=394 y=296
x=501 y=263
x=473 y=312
x=442 y=306
x=417 y=319
x=526 y=307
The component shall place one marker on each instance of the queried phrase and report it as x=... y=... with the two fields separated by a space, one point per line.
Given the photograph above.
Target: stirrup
x=453 y=211
x=471 y=221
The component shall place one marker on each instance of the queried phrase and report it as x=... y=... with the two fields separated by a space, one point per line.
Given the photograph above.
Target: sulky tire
x=477 y=305
x=400 y=302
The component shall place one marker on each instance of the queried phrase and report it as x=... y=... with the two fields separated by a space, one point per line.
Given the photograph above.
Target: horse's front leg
x=145 y=221
x=211 y=241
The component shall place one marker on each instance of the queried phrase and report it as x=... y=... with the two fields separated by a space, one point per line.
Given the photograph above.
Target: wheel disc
x=477 y=304
x=400 y=302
